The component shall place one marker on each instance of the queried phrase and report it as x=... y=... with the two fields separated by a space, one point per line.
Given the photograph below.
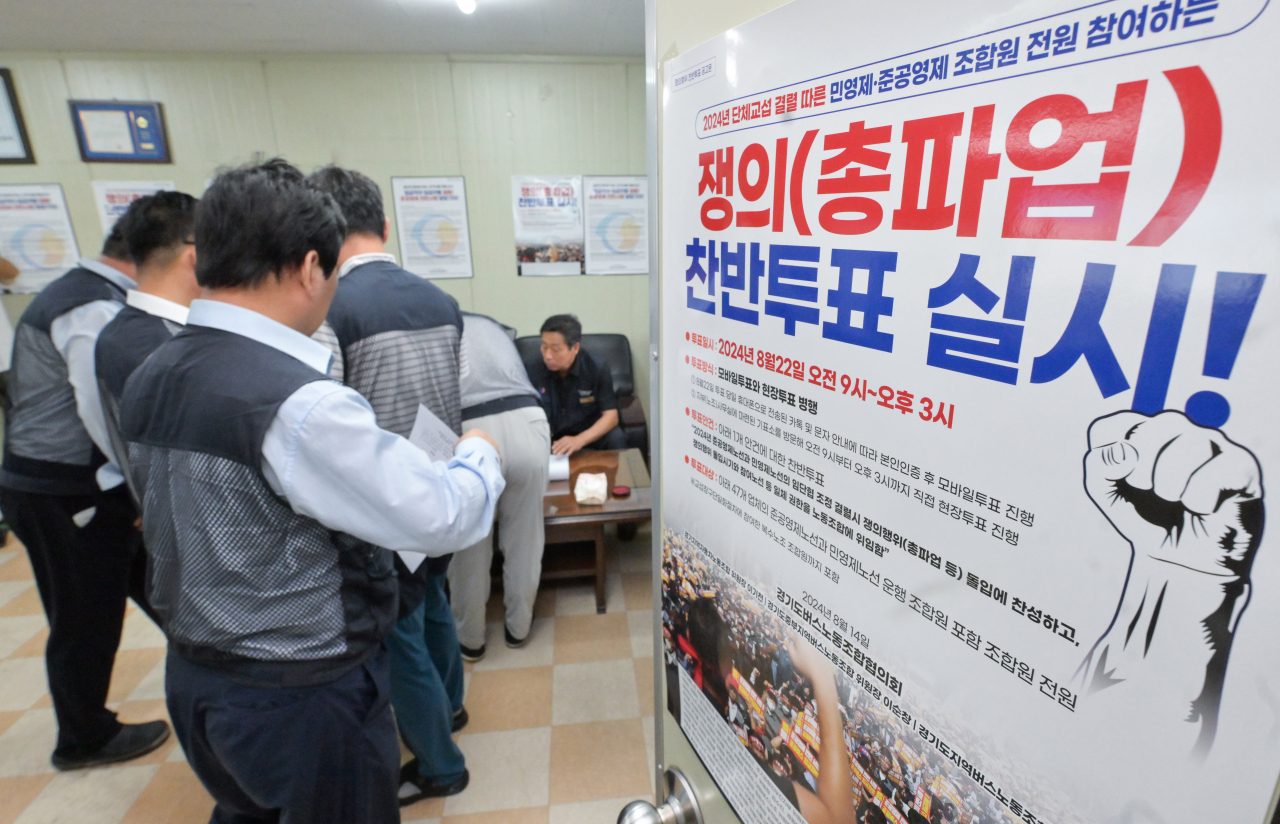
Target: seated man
x=576 y=390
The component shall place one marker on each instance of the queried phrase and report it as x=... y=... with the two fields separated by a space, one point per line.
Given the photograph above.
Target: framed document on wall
x=15 y=146
x=111 y=131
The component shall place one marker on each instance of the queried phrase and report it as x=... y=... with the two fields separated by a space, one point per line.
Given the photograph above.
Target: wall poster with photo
x=112 y=197
x=970 y=375
x=548 y=220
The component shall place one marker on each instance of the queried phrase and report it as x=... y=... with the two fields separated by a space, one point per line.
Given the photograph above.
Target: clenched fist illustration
x=1189 y=501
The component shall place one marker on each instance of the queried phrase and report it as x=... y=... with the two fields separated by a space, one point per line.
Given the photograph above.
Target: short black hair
x=114 y=246
x=567 y=325
x=359 y=198
x=256 y=221
x=158 y=222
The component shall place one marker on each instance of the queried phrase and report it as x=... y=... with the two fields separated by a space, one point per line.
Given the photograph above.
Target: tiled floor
x=561 y=731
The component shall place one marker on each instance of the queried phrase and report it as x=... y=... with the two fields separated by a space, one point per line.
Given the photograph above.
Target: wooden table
x=566 y=520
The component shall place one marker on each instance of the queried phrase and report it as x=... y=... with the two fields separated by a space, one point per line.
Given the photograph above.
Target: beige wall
x=485 y=118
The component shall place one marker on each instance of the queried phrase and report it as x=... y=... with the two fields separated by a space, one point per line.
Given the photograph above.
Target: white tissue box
x=591 y=488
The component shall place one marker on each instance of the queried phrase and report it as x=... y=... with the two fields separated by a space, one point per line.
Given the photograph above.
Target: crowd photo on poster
x=746 y=662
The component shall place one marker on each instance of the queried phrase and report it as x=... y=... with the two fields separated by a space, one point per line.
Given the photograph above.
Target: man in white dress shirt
x=271 y=499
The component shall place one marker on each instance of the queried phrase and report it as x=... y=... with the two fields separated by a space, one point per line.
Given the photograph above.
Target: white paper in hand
x=431 y=435
x=559 y=468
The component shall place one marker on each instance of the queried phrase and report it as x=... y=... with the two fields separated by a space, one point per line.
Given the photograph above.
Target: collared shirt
x=575 y=402
x=158 y=306
x=360 y=260
x=325 y=454
x=74 y=335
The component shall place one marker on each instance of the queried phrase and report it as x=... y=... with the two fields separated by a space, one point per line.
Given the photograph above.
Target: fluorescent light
x=466 y=6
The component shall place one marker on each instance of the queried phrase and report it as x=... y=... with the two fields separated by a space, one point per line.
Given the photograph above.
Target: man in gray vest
x=271 y=499
x=399 y=339
x=161 y=242
x=63 y=498
x=498 y=398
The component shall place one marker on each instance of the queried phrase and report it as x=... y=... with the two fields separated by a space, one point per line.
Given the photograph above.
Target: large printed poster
x=969 y=396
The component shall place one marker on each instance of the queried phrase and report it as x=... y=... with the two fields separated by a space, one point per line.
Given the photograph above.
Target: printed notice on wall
x=112 y=197
x=548 y=220
x=36 y=235
x=617 y=218
x=969 y=398
x=431 y=222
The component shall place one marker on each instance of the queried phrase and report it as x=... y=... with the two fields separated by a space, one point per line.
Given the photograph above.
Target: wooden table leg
x=599 y=538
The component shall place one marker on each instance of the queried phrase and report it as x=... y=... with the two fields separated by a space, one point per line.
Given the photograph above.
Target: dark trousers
x=324 y=754
x=84 y=574
x=613 y=439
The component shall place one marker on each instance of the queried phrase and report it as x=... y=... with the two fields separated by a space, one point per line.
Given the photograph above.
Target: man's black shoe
x=414 y=788
x=471 y=655
x=460 y=719
x=514 y=642
x=132 y=741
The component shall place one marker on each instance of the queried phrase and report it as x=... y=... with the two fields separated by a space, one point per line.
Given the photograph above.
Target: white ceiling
x=559 y=27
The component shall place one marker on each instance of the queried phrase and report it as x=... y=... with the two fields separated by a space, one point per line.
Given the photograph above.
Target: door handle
x=680 y=807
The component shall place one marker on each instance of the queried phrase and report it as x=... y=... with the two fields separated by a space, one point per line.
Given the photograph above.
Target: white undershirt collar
x=158 y=306
x=360 y=260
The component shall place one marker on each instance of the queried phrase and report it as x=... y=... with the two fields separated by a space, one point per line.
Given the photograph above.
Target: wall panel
x=484 y=117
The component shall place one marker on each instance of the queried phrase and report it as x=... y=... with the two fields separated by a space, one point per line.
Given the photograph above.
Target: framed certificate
x=111 y=131
x=15 y=146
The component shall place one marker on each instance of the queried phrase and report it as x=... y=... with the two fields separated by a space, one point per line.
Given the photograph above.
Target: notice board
x=968 y=398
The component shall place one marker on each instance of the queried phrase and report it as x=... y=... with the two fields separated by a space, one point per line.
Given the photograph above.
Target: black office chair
x=615 y=350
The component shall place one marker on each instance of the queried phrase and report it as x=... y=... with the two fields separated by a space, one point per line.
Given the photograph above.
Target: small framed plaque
x=112 y=131
x=15 y=146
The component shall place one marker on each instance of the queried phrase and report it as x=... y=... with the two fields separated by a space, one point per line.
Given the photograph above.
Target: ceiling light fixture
x=466 y=6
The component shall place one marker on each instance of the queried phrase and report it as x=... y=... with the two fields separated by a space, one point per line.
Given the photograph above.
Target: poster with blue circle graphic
x=431 y=223
x=617 y=217
x=36 y=235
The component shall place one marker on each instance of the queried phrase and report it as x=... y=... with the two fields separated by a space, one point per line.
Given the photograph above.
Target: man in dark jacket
x=160 y=231
x=576 y=390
